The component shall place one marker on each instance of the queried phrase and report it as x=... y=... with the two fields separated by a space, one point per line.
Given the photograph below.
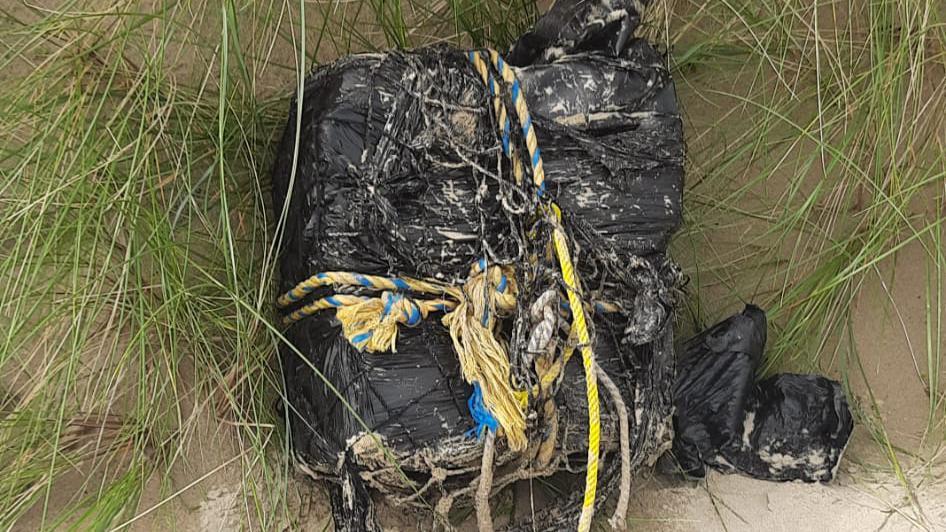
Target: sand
x=853 y=502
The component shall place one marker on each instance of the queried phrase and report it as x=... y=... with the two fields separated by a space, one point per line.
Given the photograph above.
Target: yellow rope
x=591 y=383
x=482 y=358
x=372 y=324
x=373 y=282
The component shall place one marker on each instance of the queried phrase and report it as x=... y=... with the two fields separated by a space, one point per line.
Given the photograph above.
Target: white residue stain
x=554 y=52
x=779 y=461
x=586 y=197
x=816 y=457
x=559 y=108
x=348 y=493
x=450 y=192
x=748 y=425
x=617 y=14
x=579 y=119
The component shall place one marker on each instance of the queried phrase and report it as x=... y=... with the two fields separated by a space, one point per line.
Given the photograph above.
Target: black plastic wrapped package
x=399 y=171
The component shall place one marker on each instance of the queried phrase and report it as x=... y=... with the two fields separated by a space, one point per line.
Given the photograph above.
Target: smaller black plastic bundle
x=785 y=427
x=395 y=167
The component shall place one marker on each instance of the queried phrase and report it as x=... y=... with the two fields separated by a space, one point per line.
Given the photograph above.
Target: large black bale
x=399 y=171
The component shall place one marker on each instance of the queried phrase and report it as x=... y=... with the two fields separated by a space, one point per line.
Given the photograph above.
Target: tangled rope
x=560 y=243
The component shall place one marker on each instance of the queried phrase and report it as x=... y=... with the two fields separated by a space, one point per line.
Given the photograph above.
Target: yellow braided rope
x=372 y=324
x=522 y=111
x=502 y=116
x=373 y=282
x=591 y=383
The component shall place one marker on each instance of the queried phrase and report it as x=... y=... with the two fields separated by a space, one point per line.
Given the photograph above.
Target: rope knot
x=372 y=323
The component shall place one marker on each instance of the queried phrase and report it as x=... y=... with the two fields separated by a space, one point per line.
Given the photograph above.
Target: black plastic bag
x=399 y=172
x=785 y=427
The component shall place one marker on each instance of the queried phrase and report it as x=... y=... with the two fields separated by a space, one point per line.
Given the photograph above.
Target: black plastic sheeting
x=399 y=171
x=785 y=427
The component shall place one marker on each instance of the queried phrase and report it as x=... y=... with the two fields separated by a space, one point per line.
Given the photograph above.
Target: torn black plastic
x=785 y=427
x=400 y=172
x=572 y=27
